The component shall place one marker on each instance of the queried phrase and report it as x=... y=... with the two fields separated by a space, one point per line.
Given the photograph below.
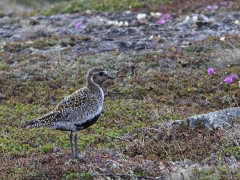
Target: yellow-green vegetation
x=121 y=5
x=73 y=6
x=80 y=5
x=137 y=103
x=132 y=138
x=107 y=5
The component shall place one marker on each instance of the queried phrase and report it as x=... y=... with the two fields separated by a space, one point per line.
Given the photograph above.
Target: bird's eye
x=101 y=73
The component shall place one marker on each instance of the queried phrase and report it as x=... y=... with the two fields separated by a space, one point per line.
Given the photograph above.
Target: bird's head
x=98 y=75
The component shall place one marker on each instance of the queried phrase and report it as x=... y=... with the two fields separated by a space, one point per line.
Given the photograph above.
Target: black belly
x=87 y=123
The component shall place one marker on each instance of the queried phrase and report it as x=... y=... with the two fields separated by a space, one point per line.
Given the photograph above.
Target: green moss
x=3 y=66
x=205 y=174
x=46 y=148
x=78 y=175
x=234 y=151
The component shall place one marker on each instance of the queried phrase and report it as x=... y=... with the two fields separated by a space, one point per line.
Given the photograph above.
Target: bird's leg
x=76 y=146
x=71 y=144
x=76 y=155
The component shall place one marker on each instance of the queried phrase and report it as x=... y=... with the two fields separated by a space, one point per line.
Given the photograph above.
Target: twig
x=108 y=94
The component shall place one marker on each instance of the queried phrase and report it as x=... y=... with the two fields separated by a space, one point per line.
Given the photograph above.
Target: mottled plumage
x=78 y=110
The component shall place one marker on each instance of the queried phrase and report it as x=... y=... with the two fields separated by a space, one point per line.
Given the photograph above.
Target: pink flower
x=209 y=7
x=210 y=71
x=78 y=25
x=228 y=80
x=233 y=76
x=161 y=21
x=215 y=7
x=223 y=3
x=166 y=16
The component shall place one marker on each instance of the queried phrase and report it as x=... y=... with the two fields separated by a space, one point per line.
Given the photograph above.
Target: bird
x=77 y=111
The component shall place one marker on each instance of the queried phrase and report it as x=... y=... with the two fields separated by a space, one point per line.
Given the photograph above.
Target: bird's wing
x=78 y=99
x=73 y=101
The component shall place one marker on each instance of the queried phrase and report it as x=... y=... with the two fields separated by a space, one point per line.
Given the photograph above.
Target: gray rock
x=216 y=119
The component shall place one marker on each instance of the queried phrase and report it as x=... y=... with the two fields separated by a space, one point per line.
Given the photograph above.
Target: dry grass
x=228 y=57
x=35 y=31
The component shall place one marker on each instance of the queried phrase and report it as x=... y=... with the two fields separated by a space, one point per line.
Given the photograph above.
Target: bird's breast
x=86 y=124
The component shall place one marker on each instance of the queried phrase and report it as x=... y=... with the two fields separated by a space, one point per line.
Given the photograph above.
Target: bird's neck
x=96 y=89
x=93 y=86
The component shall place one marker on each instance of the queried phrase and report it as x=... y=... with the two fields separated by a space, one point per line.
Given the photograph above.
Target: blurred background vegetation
x=70 y=6
x=8 y=6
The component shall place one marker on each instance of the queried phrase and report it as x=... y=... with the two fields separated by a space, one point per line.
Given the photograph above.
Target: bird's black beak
x=110 y=77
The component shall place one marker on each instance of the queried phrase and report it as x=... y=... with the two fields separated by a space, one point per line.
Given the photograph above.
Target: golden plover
x=78 y=110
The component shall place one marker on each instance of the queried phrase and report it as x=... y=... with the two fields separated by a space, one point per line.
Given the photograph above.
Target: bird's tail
x=46 y=120
x=31 y=124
